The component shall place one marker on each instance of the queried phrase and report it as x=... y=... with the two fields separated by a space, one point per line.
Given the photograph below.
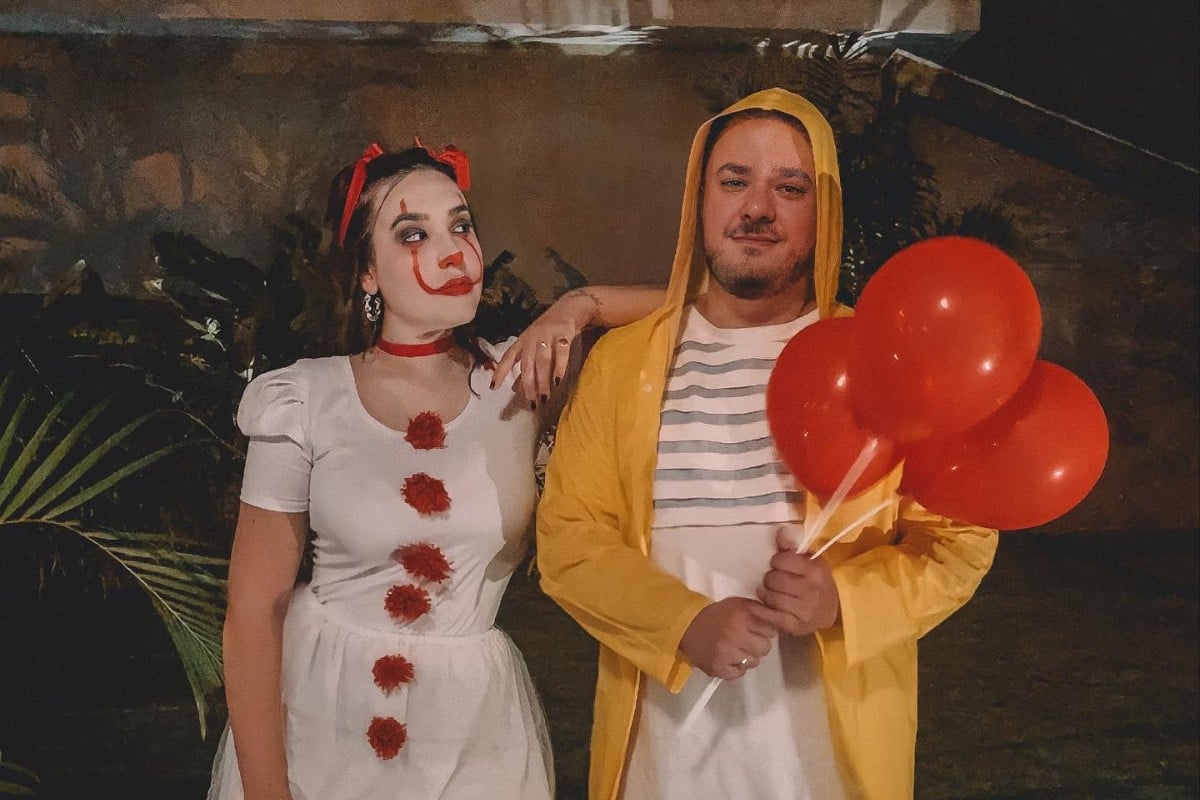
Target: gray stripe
x=732 y=502
x=721 y=369
x=747 y=473
x=685 y=417
x=715 y=447
x=704 y=391
x=697 y=347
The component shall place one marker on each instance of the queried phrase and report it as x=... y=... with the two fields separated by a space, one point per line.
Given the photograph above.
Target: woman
x=412 y=462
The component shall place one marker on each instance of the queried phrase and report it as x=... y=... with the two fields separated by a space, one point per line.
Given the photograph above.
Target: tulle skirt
x=466 y=725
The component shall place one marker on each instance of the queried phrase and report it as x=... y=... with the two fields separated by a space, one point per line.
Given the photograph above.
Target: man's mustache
x=754 y=229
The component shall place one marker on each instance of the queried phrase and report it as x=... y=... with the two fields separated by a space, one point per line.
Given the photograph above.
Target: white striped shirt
x=719 y=490
x=717 y=464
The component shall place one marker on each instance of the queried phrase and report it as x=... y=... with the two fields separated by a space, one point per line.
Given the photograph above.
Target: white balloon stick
x=849 y=528
x=701 y=702
x=853 y=474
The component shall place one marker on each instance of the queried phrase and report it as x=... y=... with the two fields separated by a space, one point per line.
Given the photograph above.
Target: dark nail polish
x=533 y=406
x=557 y=381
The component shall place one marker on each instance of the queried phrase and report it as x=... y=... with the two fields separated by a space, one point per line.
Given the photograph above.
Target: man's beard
x=748 y=283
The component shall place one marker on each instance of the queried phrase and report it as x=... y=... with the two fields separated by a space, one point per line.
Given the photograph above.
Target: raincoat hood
x=689 y=272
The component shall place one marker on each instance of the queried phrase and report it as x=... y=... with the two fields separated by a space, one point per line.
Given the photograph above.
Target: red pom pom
x=387 y=735
x=426 y=432
x=423 y=560
x=427 y=495
x=392 y=672
x=407 y=602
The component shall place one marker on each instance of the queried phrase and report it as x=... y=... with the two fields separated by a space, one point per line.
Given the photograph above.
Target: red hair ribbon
x=357 y=181
x=454 y=158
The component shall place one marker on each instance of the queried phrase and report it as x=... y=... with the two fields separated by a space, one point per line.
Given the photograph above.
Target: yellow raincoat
x=904 y=572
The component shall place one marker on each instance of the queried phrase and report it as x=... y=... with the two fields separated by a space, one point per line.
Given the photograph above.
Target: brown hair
x=353 y=257
x=721 y=124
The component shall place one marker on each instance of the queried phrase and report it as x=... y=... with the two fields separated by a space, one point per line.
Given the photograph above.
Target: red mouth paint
x=455 y=287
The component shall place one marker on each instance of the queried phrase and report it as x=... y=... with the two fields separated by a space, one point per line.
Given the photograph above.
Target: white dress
x=396 y=682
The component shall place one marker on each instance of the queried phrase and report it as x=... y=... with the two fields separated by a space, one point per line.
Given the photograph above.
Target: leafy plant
x=986 y=221
x=57 y=467
x=258 y=319
x=17 y=781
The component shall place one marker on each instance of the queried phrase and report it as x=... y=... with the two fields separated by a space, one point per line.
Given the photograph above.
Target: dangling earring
x=372 y=307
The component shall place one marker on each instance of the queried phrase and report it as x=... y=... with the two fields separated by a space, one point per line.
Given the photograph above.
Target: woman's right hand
x=543 y=350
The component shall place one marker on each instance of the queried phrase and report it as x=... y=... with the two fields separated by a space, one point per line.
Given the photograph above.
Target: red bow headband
x=357 y=181
x=454 y=158
x=450 y=155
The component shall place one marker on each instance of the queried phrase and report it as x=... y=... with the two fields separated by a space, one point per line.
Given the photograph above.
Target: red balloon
x=810 y=420
x=946 y=331
x=1030 y=462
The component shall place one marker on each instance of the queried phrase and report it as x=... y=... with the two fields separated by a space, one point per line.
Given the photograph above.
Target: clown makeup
x=427 y=260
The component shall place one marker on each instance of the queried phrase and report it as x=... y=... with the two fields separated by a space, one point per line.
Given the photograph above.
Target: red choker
x=414 y=350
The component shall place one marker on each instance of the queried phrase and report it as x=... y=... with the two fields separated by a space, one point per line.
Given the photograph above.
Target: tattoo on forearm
x=597 y=316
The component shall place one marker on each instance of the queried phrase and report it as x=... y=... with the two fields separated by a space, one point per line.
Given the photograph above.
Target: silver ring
x=744 y=661
x=542 y=344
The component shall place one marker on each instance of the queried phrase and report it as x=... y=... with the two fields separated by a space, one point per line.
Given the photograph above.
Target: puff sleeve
x=274 y=414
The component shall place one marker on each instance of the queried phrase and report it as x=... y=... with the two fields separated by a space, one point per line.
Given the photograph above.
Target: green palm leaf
x=83 y=495
x=73 y=475
x=187 y=590
x=51 y=461
x=14 y=473
x=187 y=596
x=13 y=422
x=15 y=780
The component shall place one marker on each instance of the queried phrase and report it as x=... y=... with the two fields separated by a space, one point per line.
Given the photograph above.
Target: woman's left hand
x=543 y=350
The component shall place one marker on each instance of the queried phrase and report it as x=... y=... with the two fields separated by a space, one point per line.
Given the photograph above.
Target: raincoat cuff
x=675 y=668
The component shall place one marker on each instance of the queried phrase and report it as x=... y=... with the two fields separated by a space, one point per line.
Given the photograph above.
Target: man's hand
x=730 y=636
x=800 y=587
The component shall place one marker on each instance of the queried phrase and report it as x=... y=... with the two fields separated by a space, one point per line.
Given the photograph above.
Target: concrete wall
x=933 y=16
x=224 y=138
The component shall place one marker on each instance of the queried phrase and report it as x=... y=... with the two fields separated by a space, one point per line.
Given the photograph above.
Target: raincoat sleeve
x=896 y=593
x=589 y=560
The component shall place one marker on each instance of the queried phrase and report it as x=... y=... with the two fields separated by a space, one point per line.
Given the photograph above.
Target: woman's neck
x=399 y=333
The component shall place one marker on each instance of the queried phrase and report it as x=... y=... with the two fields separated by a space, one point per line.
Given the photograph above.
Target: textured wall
x=104 y=141
x=939 y=16
x=109 y=142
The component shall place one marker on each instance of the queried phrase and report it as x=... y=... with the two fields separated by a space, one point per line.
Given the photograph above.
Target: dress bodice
x=416 y=531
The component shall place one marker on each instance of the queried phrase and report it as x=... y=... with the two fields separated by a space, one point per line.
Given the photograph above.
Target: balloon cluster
x=939 y=368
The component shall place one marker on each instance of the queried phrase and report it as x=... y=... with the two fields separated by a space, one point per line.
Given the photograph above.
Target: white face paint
x=428 y=263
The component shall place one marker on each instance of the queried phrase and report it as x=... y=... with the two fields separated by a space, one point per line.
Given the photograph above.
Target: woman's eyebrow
x=410 y=218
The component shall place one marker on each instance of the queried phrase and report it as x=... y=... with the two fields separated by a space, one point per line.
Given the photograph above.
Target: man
x=667 y=524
